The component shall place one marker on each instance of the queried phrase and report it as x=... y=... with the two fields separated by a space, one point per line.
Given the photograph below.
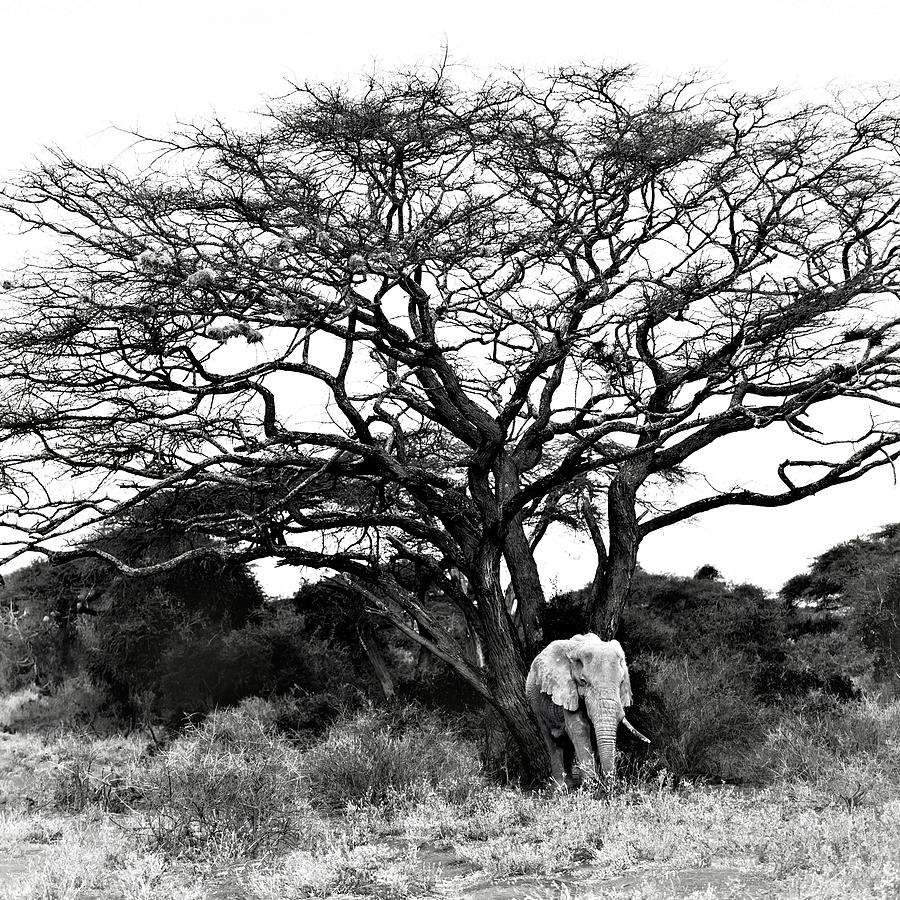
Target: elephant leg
x=579 y=730
x=557 y=764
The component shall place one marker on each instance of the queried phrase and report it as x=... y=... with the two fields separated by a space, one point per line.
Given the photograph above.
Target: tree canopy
x=408 y=325
x=859 y=580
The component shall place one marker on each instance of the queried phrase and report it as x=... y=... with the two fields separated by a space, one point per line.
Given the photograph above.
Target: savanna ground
x=395 y=803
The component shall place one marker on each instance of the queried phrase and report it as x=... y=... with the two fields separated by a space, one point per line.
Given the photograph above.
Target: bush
x=16 y=707
x=92 y=773
x=305 y=717
x=390 y=757
x=701 y=716
x=826 y=746
x=68 y=772
x=199 y=665
x=229 y=788
x=860 y=581
x=718 y=617
x=274 y=653
x=74 y=703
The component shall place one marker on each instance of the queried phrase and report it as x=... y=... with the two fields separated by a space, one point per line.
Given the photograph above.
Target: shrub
x=785 y=651
x=231 y=787
x=717 y=616
x=830 y=747
x=821 y=658
x=74 y=703
x=305 y=717
x=69 y=772
x=381 y=757
x=701 y=716
x=15 y=707
x=92 y=773
x=860 y=581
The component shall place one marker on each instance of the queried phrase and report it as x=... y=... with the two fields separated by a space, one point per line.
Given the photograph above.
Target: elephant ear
x=553 y=672
x=625 y=686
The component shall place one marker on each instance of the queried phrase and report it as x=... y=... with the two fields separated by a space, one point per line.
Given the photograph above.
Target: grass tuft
x=390 y=759
x=229 y=788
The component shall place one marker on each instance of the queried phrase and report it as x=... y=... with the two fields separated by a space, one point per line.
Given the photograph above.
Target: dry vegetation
x=233 y=808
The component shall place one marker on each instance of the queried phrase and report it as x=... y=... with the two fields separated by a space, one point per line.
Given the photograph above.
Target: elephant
x=571 y=685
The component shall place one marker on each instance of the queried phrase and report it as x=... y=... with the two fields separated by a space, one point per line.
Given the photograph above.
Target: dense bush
x=390 y=757
x=155 y=656
x=156 y=642
x=852 y=750
x=702 y=715
x=82 y=617
x=76 y=703
x=39 y=637
x=709 y=659
x=229 y=788
x=274 y=653
x=859 y=581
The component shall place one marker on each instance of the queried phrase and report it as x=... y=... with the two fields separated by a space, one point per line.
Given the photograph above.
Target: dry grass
x=390 y=760
x=799 y=838
x=229 y=789
x=69 y=770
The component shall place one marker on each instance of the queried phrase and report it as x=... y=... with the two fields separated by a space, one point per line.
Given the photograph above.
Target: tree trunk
x=501 y=681
x=506 y=666
x=376 y=660
x=506 y=670
x=621 y=561
x=526 y=582
x=508 y=688
x=595 y=594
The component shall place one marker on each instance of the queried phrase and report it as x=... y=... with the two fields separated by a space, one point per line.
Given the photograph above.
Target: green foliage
x=75 y=703
x=273 y=653
x=860 y=581
x=707 y=572
x=782 y=651
x=146 y=630
x=83 y=617
x=181 y=642
x=390 y=757
x=672 y=616
x=39 y=635
x=852 y=752
x=702 y=714
x=708 y=658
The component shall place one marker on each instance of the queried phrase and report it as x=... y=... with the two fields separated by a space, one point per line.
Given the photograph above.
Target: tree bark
x=526 y=583
x=621 y=561
x=595 y=595
x=506 y=665
x=508 y=690
x=376 y=660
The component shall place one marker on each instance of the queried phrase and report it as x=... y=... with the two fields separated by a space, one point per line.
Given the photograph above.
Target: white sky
x=69 y=70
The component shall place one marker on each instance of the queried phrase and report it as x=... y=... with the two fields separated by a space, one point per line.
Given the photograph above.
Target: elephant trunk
x=605 y=714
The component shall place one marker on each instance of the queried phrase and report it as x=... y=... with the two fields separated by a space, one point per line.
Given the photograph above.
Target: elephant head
x=574 y=684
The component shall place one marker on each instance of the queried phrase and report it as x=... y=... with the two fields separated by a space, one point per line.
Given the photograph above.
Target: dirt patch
x=22 y=860
x=441 y=857
x=725 y=883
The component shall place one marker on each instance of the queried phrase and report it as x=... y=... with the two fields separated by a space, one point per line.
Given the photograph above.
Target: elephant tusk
x=634 y=730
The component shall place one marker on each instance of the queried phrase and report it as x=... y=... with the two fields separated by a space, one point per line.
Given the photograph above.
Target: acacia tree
x=406 y=327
